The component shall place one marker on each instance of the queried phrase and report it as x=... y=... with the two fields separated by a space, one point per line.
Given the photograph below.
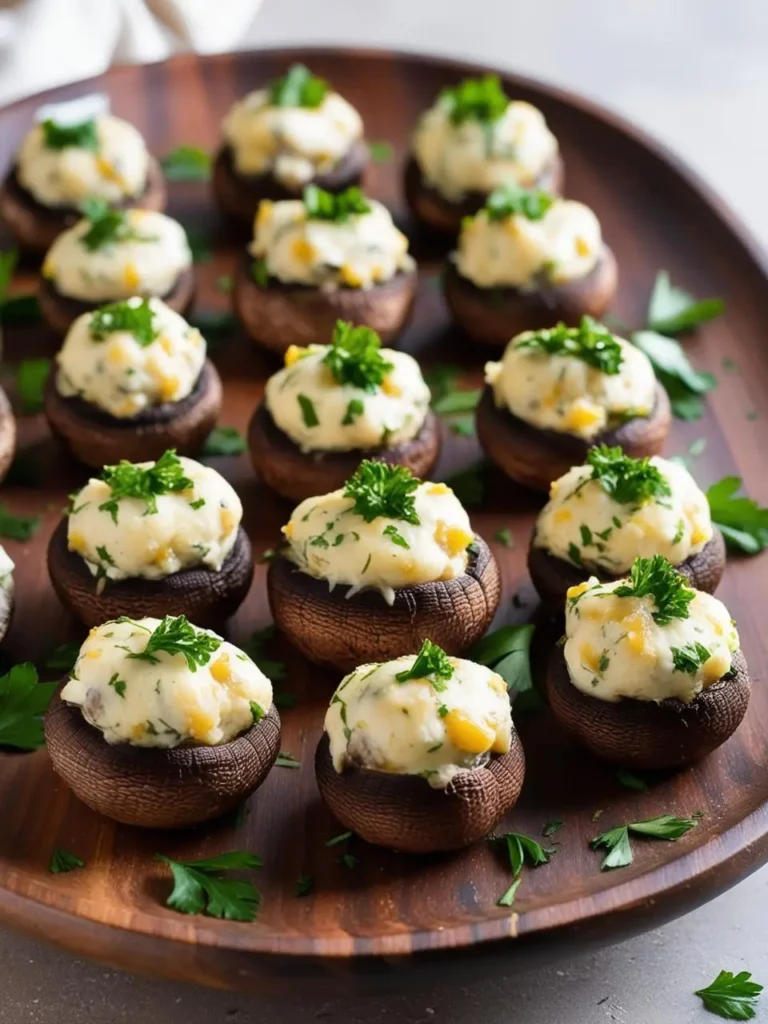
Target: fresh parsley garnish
x=257 y=712
x=684 y=385
x=690 y=658
x=304 y=885
x=118 y=685
x=355 y=358
x=63 y=136
x=475 y=99
x=395 y=536
x=259 y=272
x=672 y=310
x=657 y=578
x=286 y=760
x=590 y=342
x=628 y=481
x=31 y=378
x=322 y=205
x=107 y=225
x=453 y=402
x=616 y=840
x=175 y=635
x=127 y=480
x=62 y=861
x=201 y=888
x=432 y=662
x=132 y=315
x=520 y=850
x=507 y=651
x=551 y=827
x=731 y=996
x=511 y=200
x=507 y=898
x=381 y=491
x=224 y=441
x=504 y=536
x=355 y=408
x=23 y=700
x=298 y=87
x=17 y=527
x=308 y=411
x=742 y=522
x=187 y=163
x=342 y=837
x=63 y=657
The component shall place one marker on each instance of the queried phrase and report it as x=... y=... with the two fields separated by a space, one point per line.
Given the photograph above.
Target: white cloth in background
x=45 y=43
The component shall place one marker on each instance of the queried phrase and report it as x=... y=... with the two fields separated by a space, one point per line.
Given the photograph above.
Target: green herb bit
x=254 y=648
x=683 y=383
x=63 y=657
x=690 y=658
x=31 y=378
x=23 y=700
x=396 y=537
x=504 y=536
x=522 y=849
x=631 y=781
x=507 y=899
x=381 y=491
x=590 y=342
x=574 y=554
x=63 y=136
x=742 y=522
x=628 y=481
x=507 y=651
x=127 y=480
x=731 y=996
x=322 y=205
x=257 y=712
x=672 y=310
x=286 y=760
x=304 y=885
x=657 y=578
x=511 y=200
x=453 y=402
x=298 y=88
x=342 y=837
x=201 y=888
x=431 y=661
x=469 y=485
x=616 y=840
x=17 y=527
x=178 y=636
x=9 y=259
x=118 y=685
x=259 y=272
x=355 y=408
x=132 y=315
x=308 y=411
x=551 y=827
x=107 y=225
x=62 y=862
x=198 y=503
x=381 y=151
x=19 y=310
x=355 y=358
x=224 y=441
x=475 y=99
x=187 y=163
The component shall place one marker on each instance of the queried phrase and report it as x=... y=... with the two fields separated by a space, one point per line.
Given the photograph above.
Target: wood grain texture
x=391 y=908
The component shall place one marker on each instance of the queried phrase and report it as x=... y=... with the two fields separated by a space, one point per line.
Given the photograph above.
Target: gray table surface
x=694 y=73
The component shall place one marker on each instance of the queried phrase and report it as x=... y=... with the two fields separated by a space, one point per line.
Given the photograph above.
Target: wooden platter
x=392 y=908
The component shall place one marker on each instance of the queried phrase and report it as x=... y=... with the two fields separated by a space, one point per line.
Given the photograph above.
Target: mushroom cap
x=152 y=787
x=535 y=457
x=331 y=629
x=206 y=597
x=7 y=434
x=647 y=734
x=98 y=439
x=494 y=315
x=282 y=315
x=36 y=226
x=295 y=474
x=239 y=195
x=552 y=576
x=403 y=812
x=435 y=211
x=60 y=311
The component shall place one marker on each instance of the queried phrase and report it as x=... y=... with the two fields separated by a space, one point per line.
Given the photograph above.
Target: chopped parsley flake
x=690 y=658
x=657 y=578
x=590 y=342
x=322 y=205
x=355 y=358
x=396 y=538
x=298 y=87
x=431 y=661
x=383 y=491
x=511 y=200
x=63 y=136
x=127 y=480
x=628 y=481
x=132 y=315
x=308 y=412
x=475 y=99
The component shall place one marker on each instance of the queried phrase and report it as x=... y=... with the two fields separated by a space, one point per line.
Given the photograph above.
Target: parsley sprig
x=107 y=225
x=381 y=491
x=187 y=163
x=628 y=481
x=322 y=205
x=298 y=87
x=22 y=703
x=63 y=861
x=127 y=480
x=199 y=886
x=132 y=315
x=355 y=357
x=507 y=651
x=61 y=136
x=511 y=200
x=657 y=578
x=17 y=527
x=672 y=310
x=175 y=635
x=431 y=661
x=31 y=378
x=590 y=342
x=731 y=996
x=742 y=522
x=520 y=850
x=475 y=99
x=690 y=658
x=616 y=840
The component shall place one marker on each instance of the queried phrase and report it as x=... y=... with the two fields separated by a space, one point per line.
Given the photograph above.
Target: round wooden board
x=394 y=908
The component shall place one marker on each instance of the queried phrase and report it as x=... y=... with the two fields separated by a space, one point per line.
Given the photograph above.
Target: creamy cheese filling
x=294 y=144
x=7 y=586
x=319 y=414
x=584 y=524
x=433 y=727
x=359 y=252
x=566 y=394
x=148 y=262
x=116 y=169
x=516 y=252
x=162 y=702
x=477 y=156
x=128 y=539
x=330 y=541
x=615 y=649
x=123 y=373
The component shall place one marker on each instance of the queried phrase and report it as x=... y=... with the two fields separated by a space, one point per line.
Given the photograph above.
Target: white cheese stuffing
x=194 y=527
x=342 y=417
x=563 y=393
x=115 y=171
x=615 y=649
x=584 y=524
x=359 y=252
x=517 y=147
x=162 y=702
x=124 y=375
x=7 y=586
x=515 y=252
x=329 y=541
x=431 y=727
x=294 y=144
x=149 y=262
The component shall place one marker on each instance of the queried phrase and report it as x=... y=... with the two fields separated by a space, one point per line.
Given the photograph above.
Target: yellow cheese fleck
x=264 y=212
x=138 y=731
x=169 y=386
x=350 y=276
x=452 y=539
x=466 y=734
x=48 y=269
x=389 y=387
x=635 y=626
x=116 y=354
x=581 y=416
x=576 y=591
x=199 y=723
x=698 y=534
x=288 y=529
x=582 y=246
x=166 y=343
x=589 y=656
x=563 y=515
x=497 y=684
x=220 y=669
x=439 y=489
x=228 y=519
x=93 y=654
x=161 y=555
x=293 y=353
x=106 y=170
x=77 y=542
x=131 y=276
x=303 y=250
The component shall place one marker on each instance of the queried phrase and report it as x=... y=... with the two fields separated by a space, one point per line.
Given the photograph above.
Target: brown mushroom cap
x=553 y=577
x=403 y=812
x=153 y=787
x=36 y=227
x=536 y=457
x=98 y=439
x=295 y=474
x=281 y=315
x=7 y=434
x=239 y=195
x=647 y=734
x=206 y=597
x=494 y=315
x=331 y=629
x=433 y=209
x=60 y=311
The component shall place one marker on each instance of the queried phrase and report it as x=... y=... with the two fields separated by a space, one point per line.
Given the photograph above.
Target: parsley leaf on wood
x=743 y=523
x=175 y=635
x=17 y=527
x=22 y=703
x=469 y=485
x=631 y=781
x=520 y=849
x=504 y=536
x=224 y=441
x=254 y=648
x=8 y=261
x=304 y=885
x=628 y=481
x=61 y=136
x=20 y=310
x=322 y=205
x=672 y=310
x=128 y=480
x=355 y=358
x=31 y=378
x=201 y=888
x=673 y=369
x=616 y=840
x=62 y=861
x=507 y=651
x=657 y=578
x=342 y=837
x=187 y=163
x=431 y=661
x=132 y=315
x=286 y=760
x=507 y=898
x=383 y=491
x=590 y=342
x=475 y=99
x=298 y=87
x=511 y=200
x=382 y=152
x=63 y=657
x=731 y=996
x=456 y=402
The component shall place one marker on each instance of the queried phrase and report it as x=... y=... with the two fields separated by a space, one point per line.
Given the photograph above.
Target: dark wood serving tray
x=393 y=908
